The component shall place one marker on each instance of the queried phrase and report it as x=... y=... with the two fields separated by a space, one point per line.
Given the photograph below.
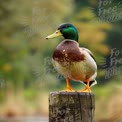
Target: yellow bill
x=56 y=34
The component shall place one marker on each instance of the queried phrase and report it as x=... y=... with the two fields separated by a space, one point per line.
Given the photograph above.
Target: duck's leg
x=68 y=86
x=87 y=88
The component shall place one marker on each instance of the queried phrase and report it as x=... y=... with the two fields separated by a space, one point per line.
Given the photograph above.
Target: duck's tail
x=92 y=83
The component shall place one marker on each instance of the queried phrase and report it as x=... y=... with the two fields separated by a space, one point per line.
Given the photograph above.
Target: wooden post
x=71 y=107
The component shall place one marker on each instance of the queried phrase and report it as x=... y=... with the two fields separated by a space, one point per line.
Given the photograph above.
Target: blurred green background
x=26 y=71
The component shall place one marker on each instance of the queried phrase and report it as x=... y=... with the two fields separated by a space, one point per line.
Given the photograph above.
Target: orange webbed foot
x=68 y=88
x=87 y=89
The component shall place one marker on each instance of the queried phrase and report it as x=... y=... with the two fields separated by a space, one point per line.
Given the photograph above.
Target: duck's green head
x=68 y=31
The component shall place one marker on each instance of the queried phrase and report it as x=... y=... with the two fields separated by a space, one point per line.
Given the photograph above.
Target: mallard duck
x=70 y=60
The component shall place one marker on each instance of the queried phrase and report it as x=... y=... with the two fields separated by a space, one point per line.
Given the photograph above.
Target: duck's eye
x=61 y=30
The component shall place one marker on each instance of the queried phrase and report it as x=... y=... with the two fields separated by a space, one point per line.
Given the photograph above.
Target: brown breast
x=68 y=51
